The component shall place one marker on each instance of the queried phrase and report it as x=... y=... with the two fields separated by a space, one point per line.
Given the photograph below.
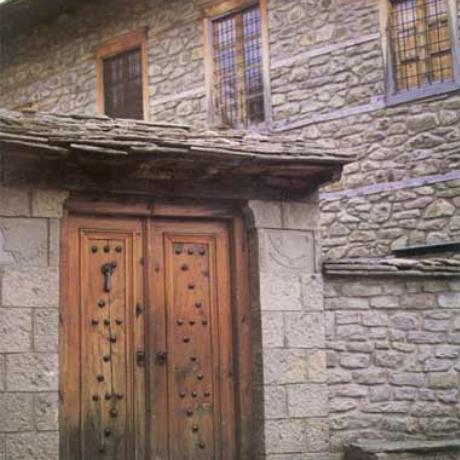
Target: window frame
x=119 y=45
x=392 y=95
x=219 y=11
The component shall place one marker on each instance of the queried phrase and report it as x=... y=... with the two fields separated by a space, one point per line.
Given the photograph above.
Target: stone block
x=46 y=411
x=317 y=435
x=405 y=321
x=274 y=401
x=33 y=446
x=354 y=360
x=418 y=301
x=347 y=303
x=317 y=366
x=443 y=380
x=361 y=289
x=54 y=242
x=280 y=292
x=300 y=216
x=305 y=330
x=2 y=372
x=285 y=436
x=449 y=300
x=284 y=366
x=272 y=329
x=375 y=319
x=351 y=332
x=347 y=317
x=32 y=372
x=313 y=292
x=307 y=400
x=46 y=330
x=265 y=214
x=17 y=412
x=15 y=330
x=26 y=240
x=48 y=203
x=285 y=251
x=407 y=379
x=30 y=287
x=14 y=202
x=385 y=302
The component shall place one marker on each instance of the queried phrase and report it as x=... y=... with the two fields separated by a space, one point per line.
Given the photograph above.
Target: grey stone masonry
x=393 y=359
x=291 y=393
x=29 y=296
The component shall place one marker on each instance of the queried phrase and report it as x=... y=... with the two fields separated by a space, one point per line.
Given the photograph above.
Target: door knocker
x=107 y=270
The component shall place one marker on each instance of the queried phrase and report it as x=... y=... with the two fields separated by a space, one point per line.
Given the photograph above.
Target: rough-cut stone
x=48 y=203
x=46 y=330
x=17 y=412
x=354 y=360
x=312 y=292
x=307 y=400
x=280 y=292
x=14 y=202
x=30 y=287
x=286 y=252
x=26 y=240
x=265 y=214
x=305 y=330
x=449 y=300
x=15 y=330
x=440 y=208
x=33 y=446
x=32 y=372
x=46 y=411
x=285 y=366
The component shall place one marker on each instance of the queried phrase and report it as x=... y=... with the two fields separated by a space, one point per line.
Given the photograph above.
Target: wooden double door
x=147 y=340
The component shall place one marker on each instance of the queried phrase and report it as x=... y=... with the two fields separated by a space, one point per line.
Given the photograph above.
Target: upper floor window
x=238 y=79
x=421 y=43
x=122 y=78
x=422 y=46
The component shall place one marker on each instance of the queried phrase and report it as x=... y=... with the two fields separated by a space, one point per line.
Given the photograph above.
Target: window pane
x=421 y=43
x=238 y=74
x=123 y=85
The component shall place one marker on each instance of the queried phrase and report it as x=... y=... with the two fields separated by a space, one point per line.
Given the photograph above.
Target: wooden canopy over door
x=153 y=366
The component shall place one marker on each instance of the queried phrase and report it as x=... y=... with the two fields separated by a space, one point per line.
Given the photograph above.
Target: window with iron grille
x=123 y=96
x=238 y=83
x=421 y=43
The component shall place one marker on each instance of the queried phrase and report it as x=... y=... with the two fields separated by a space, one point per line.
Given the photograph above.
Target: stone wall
x=29 y=287
x=374 y=224
x=393 y=349
x=291 y=404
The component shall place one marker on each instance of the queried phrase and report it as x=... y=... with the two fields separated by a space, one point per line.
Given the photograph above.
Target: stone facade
x=392 y=345
x=393 y=348
x=29 y=286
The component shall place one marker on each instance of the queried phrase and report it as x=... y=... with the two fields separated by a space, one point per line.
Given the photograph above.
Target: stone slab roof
x=214 y=152
x=392 y=266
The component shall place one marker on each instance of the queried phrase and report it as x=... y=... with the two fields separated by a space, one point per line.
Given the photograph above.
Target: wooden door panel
x=191 y=291
x=103 y=391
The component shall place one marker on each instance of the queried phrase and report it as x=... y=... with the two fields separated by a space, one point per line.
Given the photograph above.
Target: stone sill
x=369 y=450
x=421 y=93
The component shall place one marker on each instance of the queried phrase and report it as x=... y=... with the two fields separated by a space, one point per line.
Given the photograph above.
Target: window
x=422 y=45
x=122 y=78
x=238 y=75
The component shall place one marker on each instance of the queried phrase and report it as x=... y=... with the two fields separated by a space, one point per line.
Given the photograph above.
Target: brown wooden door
x=146 y=341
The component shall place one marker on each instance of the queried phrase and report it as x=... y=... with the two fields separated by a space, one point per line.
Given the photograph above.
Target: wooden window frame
x=118 y=45
x=220 y=10
x=392 y=95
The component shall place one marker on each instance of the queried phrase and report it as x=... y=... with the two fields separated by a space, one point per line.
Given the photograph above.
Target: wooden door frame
x=168 y=209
